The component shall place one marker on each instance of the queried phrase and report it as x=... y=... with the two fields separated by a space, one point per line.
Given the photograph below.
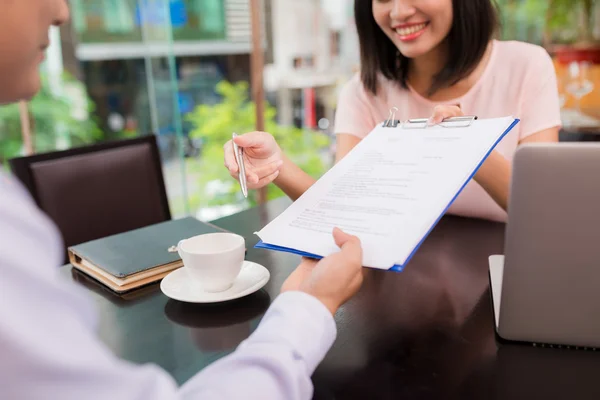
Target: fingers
x=309 y=262
x=230 y=162
x=253 y=139
x=350 y=245
x=442 y=112
x=260 y=176
x=264 y=181
x=258 y=145
x=264 y=175
x=264 y=172
x=340 y=237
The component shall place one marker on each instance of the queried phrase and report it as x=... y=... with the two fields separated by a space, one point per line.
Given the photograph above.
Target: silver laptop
x=546 y=287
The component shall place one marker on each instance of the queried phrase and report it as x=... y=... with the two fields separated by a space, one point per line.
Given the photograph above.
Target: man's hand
x=334 y=279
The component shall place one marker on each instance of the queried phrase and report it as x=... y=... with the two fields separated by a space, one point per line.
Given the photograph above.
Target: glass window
x=180 y=69
x=103 y=21
x=106 y=21
x=198 y=19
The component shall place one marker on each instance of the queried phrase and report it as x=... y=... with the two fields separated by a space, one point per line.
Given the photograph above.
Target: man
x=47 y=346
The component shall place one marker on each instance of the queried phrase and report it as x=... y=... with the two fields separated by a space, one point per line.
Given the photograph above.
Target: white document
x=390 y=191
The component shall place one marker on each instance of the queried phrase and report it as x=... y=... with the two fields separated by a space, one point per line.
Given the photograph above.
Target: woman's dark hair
x=475 y=23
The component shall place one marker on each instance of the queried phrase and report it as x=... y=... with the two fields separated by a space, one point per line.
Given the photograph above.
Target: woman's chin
x=416 y=48
x=413 y=50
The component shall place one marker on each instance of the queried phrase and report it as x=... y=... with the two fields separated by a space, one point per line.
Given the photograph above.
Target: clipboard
x=423 y=123
x=392 y=122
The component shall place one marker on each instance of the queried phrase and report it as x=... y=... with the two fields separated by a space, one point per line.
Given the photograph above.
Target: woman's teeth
x=410 y=30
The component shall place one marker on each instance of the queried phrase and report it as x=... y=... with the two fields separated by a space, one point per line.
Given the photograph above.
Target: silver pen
x=240 y=162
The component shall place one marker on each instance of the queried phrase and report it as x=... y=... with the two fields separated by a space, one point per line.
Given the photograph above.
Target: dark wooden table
x=425 y=333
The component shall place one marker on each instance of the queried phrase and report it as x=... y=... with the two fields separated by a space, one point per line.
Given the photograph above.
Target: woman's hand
x=442 y=112
x=262 y=158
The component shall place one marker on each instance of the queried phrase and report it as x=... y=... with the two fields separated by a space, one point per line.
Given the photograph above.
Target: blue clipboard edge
x=400 y=268
x=263 y=245
x=510 y=128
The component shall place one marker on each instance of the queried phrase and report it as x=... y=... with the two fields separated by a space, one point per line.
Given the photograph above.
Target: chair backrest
x=100 y=190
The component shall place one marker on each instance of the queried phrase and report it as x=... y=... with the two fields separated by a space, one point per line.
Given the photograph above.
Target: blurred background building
x=181 y=69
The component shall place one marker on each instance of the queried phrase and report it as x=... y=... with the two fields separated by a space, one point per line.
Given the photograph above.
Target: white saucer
x=180 y=286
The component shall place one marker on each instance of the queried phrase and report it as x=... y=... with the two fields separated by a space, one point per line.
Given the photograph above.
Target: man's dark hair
x=474 y=25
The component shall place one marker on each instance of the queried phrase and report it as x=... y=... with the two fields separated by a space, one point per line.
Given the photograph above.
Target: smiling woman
x=437 y=59
x=392 y=33
x=409 y=32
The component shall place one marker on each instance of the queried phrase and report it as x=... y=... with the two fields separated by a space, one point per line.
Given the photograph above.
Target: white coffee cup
x=213 y=260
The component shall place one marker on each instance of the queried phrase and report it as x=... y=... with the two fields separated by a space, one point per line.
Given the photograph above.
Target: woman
x=432 y=58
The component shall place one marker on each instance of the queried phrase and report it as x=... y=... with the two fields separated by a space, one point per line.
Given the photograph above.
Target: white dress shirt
x=48 y=349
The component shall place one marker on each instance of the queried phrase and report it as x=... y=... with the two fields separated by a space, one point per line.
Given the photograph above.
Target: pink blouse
x=519 y=81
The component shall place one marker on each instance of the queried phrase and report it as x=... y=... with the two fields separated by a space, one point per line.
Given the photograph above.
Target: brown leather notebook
x=130 y=260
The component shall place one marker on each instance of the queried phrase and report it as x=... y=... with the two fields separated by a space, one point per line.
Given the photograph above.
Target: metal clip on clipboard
x=423 y=123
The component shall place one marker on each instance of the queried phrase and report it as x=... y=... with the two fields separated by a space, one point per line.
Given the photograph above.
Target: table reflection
x=222 y=326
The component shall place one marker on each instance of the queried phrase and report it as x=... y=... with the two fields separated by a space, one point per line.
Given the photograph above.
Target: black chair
x=100 y=190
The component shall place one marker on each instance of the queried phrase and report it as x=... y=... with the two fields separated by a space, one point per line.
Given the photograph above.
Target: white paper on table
x=390 y=191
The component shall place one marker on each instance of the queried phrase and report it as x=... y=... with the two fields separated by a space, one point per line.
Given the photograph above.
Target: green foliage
x=518 y=23
x=48 y=113
x=214 y=125
x=565 y=21
x=566 y=13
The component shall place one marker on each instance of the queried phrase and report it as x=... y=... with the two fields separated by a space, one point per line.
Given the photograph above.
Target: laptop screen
x=496 y=273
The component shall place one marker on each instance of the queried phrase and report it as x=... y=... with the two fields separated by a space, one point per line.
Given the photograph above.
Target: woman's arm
x=344 y=144
x=353 y=116
x=294 y=181
x=540 y=122
x=545 y=136
x=495 y=174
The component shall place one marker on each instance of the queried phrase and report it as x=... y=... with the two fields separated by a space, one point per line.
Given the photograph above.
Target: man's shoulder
x=22 y=222
x=10 y=187
x=5 y=182
x=15 y=199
